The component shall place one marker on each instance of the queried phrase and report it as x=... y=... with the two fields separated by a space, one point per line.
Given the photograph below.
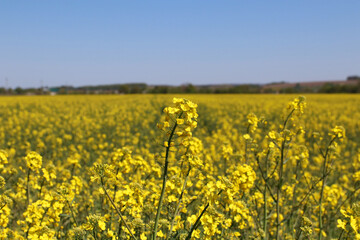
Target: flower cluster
x=3 y=158
x=243 y=178
x=253 y=122
x=94 y=221
x=350 y=222
x=182 y=117
x=298 y=104
x=33 y=161
x=338 y=132
x=193 y=148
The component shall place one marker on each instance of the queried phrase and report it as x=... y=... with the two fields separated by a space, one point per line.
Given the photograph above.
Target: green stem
x=287 y=119
x=265 y=198
x=115 y=189
x=323 y=186
x=119 y=230
x=72 y=212
x=278 y=191
x=28 y=187
x=164 y=177
x=116 y=208
x=94 y=234
x=342 y=232
x=197 y=222
x=320 y=206
x=179 y=203
x=347 y=198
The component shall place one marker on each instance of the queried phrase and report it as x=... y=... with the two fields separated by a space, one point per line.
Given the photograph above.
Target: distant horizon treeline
x=351 y=85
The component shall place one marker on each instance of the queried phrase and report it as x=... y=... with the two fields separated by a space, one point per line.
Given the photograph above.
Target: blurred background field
x=42 y=122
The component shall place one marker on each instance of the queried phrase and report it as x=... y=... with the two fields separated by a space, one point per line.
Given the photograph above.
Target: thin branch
x=116 y=208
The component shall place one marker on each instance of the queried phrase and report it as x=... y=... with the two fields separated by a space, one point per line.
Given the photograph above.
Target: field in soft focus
x=60 y=194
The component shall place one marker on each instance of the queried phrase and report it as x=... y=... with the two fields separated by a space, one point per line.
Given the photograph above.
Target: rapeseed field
x=180 y=167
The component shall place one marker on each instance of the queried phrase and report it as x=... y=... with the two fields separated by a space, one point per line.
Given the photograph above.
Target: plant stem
x=287 y=119
x=164 y=177
x=179 y=203
x=72 y=212
x=323 y=186
x=28 y=188
x=278 y=192
x=281 y=169
x=197 y=222
x=117 y=210
x=265 y=200
x=115 y=189
x=94 y=234
x=320 y=203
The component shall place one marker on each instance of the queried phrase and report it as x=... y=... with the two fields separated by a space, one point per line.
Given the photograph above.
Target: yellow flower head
x=338 y=131
x=183 y=116
x=243 y=177
x=2 y=182
x=252 y=121
x=94 y=221
x=3 y=158
x=33 y=161
x=298 y=104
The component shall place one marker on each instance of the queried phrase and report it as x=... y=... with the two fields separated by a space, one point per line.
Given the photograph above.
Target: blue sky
x=86 y=42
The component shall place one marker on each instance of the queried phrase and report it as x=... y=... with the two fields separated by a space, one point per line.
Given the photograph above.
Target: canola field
x=180 y=167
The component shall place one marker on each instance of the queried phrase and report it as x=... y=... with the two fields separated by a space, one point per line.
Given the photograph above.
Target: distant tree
x=159 y=89
x=63 y=90
x=205 y=90
x=297 y=88
x=353 y=78
x=19 y=90
x=135 y=89
x=307 y=90
x=239 y=89
x=288 y=90
x=246 y=88
x=124 y=89
x=269 y=90
x=190 y=88
x=328 y=88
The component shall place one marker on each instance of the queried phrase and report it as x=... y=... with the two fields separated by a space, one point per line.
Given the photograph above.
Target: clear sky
x=86 y=42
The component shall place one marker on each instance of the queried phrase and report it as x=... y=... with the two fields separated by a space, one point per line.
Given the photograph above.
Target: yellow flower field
x=180 y=167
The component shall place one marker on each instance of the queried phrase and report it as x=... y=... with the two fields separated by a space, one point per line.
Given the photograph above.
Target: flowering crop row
x=197 y=167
